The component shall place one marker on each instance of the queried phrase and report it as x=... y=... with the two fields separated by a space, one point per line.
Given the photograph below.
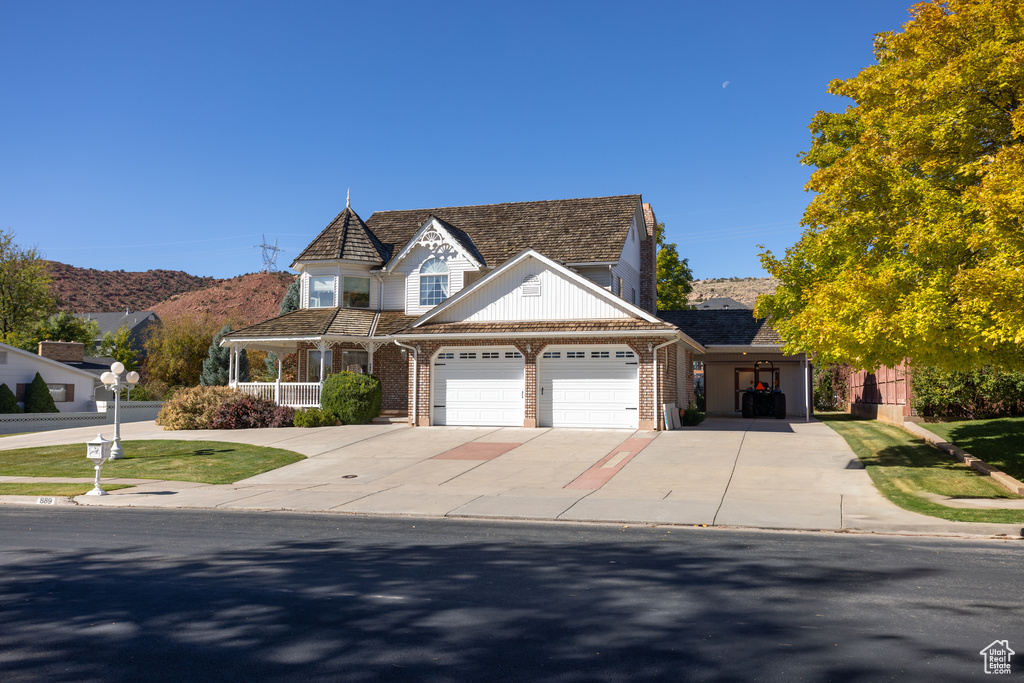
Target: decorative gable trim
x=433 y=234
x=579 y=280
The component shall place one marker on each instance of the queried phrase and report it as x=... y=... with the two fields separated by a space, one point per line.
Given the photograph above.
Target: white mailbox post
x=98 y=450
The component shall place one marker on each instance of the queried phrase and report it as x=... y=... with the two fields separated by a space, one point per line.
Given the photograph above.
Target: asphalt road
x=156 y=595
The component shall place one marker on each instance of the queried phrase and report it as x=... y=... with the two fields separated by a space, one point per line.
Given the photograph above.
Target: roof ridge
x=540 y=201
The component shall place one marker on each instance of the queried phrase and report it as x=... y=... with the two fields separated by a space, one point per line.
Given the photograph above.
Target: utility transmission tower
x=269 y=255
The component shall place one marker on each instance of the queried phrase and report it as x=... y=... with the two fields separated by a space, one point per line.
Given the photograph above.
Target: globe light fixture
x=112 y=380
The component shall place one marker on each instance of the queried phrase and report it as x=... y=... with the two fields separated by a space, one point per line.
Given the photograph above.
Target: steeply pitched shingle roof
x=347 y=237
x=723 y=327
x=568 y=230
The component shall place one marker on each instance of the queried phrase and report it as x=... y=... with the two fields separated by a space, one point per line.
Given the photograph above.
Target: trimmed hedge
x=352 y=397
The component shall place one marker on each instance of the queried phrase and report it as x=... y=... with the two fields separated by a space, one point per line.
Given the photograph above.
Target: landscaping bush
x=313 y=417
x=975 y=394
x=692 y=416
x=193 y=407
x=831 y=387
x=244 y=412
x=351 y=397
x=283 y=417
x=38 y=398
x=8 y=401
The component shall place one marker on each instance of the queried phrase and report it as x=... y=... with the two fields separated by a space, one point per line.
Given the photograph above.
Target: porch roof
x=309 y=323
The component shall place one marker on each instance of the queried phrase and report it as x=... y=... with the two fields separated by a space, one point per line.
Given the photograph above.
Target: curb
x=37 y=500
x=1002 y=478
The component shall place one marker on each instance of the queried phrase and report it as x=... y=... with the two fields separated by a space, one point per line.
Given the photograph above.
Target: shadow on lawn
x=342 y=610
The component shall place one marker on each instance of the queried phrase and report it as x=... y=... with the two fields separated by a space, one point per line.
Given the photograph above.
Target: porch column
x=322 y=347
x=277 y=385
x=231 y=365
x=370 y=346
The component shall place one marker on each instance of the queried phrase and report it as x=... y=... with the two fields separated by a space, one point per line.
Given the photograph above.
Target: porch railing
x=293 y=394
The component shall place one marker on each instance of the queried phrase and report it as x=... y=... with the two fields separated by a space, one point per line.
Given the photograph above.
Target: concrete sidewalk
x=773 y=474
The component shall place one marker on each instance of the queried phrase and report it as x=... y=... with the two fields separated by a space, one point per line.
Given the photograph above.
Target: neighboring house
x=721 y=303
x=71 y=388
x=521 y=314
x=733 y=341
x=139 y=323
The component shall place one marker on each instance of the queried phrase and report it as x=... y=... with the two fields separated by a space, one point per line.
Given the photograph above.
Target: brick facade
x=531 y=348
x=388 y=366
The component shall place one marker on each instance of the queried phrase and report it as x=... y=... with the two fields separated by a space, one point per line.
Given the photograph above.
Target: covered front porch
x=328 y=341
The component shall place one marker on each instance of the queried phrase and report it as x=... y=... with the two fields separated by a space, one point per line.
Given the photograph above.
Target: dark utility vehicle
x=764 y=400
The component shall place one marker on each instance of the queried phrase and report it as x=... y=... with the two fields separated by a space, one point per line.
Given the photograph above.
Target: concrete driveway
x=777 y=474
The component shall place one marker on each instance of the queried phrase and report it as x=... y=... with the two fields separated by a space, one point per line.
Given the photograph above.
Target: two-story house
x=520 y=314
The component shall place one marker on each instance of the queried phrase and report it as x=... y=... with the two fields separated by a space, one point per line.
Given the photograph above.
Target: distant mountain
x=743 y=289
x=241 y=300
x=84 y=290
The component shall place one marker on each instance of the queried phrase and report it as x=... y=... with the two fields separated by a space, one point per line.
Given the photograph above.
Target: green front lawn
x=903 y=467
x=44 y=489
x=999 y=442
x=207 y=462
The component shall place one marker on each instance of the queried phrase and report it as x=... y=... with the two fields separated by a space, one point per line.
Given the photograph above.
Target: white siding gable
x=500 y=298
x=410 y=266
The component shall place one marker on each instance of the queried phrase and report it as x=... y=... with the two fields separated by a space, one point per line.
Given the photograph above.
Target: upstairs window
x=433 y=282
x=355 y=292
x=321 y=291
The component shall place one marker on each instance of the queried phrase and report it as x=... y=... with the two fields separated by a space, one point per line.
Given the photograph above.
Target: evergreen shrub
x=38 y=398
x=352 y=397
x=8 y=401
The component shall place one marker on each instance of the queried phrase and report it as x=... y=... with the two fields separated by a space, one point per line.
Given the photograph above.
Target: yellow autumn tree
x=913 y=244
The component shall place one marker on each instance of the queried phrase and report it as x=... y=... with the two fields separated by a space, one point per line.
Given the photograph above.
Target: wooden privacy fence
x=887 y=386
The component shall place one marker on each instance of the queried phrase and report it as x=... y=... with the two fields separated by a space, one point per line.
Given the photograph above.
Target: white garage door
x=478 y=386
x=588 y=387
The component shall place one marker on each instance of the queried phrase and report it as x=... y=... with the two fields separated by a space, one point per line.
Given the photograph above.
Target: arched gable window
x=433 y=282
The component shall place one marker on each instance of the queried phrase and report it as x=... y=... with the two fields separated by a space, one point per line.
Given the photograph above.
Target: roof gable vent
x=531 y=286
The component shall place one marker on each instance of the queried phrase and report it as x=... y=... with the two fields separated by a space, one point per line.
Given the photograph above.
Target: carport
x=733 y=341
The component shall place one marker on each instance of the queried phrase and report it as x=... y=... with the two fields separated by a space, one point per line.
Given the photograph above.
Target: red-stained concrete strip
x=608 y=466
x=477 y=451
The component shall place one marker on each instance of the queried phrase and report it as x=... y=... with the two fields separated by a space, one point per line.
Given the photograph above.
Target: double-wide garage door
x=591 y=387
x=577 y=386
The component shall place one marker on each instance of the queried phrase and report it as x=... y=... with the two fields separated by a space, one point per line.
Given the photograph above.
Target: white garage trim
x=482 y=385
x=589 y=387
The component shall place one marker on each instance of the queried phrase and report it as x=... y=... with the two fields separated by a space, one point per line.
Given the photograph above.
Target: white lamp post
x=97 y=450
x=112 y=380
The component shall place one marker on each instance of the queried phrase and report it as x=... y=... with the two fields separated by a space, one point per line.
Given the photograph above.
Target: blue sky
x=139 y=135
